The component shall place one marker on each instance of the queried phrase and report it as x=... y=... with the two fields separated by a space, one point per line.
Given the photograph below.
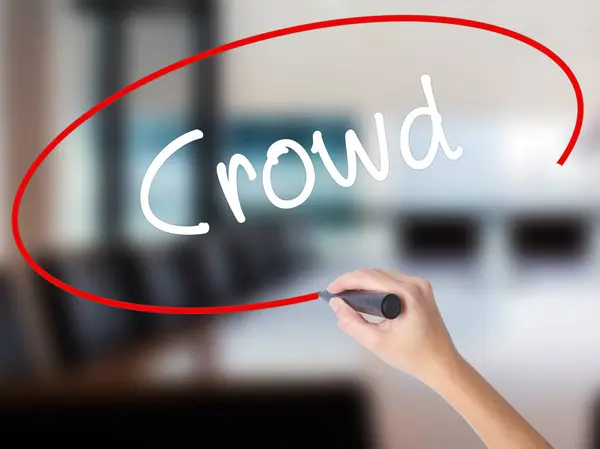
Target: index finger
x=363 y=279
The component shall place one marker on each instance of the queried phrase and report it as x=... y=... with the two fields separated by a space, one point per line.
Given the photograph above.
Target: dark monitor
x=440 y=236
x=282 y=417
x=549 y=237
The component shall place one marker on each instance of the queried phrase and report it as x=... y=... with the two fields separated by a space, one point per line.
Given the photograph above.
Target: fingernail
x=335 y=303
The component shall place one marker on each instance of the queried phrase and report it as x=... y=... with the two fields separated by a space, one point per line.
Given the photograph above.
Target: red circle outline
x=231 y=46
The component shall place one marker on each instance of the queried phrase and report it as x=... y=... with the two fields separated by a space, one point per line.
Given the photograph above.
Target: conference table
x=536 y=340
x=535 y=337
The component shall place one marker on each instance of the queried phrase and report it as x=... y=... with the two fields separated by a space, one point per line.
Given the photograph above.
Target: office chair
x=15 y=357
x=439 y=236
x=549 y=238
x=595 y=421
x=83 y=329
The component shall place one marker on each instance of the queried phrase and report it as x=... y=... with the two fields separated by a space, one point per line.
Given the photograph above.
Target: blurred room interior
x=509 y=239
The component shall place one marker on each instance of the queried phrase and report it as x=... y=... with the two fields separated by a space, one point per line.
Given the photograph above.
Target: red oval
x=222 y=49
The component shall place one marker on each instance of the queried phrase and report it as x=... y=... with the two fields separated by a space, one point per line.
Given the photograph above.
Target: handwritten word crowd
x=228 y=174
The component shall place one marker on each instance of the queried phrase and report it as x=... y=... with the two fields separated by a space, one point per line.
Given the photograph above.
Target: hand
x=417 y=342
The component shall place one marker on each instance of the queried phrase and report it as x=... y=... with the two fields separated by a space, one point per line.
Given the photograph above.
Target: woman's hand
x=417 y=342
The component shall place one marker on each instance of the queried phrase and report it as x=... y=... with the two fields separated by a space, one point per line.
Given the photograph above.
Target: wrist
x=444 y=369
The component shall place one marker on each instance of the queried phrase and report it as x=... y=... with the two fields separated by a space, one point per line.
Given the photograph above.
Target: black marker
x=384 y=305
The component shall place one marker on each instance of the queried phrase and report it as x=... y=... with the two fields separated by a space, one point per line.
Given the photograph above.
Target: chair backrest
x=289 y=245
x=245 y=272
x=262 y=252
x=207 y=270
x=84 y=329
x=552 y=237
x=439 y=236
x=164 y=282
x=595 y=428
x=15 y=357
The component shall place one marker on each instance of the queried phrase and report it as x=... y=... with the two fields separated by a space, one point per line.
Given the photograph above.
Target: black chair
x=289 y=245
x=439 y=236
x=264 y=251
x=85 y=330
x=180 y=275
x=549 y=237
x=595 y=428
x=268 y=248
x=205 y=265
x=211 y=270
x=245 y=272
x=15 y=357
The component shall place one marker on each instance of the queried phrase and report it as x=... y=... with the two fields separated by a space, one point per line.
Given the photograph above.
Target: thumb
x=353 y=323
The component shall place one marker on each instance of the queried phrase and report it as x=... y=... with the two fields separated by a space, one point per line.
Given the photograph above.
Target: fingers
x=352 y=322
x=423 y=284
x=407 y=287
x=363 y=279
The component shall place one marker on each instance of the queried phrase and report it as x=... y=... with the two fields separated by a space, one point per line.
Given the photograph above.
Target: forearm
x=496 y=422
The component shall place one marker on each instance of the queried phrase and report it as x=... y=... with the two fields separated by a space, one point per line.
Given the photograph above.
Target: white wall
x=371 y=66
x=4 y=201
x=152 y=42
x=476 y=76
x=359 y=69
x=367 y=67
x=72 y=74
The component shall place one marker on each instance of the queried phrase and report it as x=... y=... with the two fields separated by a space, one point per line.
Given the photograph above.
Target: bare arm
x=496 y=422
x=418 y=343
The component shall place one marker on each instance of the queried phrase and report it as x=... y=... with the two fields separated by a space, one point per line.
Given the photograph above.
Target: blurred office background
x=510 y=240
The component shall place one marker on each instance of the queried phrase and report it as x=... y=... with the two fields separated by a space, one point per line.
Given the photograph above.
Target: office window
x=154 y=116
x=75 y=161
x=171 y=197
x=157 y=114
x=3 y=200
x=252 y=137
x=170 y=194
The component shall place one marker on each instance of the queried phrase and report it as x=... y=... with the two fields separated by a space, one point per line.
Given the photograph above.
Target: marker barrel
x=384 y=305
